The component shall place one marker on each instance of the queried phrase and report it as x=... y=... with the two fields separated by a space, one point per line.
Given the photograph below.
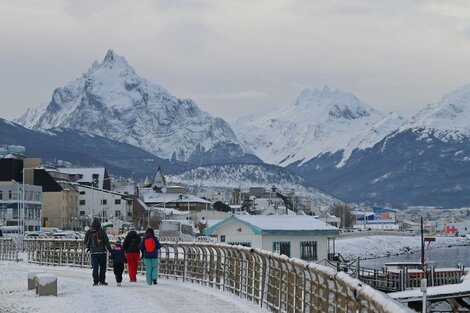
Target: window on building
x=9 y=194
x=82 y=192
x=282 y=247
x=222 y=238
x=308 y=251
x=82 y=213
x=117 y=201
x=104 y=201
x=240 y=243
x=82 y=202
x=1 y=194
x=117 y=213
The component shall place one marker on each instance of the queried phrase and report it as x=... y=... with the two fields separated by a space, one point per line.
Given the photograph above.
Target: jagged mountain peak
x=331 y=103
x=111 y=100
x=321 y=121
x=446 y=119
x=112 y=59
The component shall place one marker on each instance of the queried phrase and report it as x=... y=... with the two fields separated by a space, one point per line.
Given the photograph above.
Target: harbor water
x=441 y=257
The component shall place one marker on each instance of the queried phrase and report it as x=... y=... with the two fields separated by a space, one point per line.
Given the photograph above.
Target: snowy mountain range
x=329 y=137
x=447 y=120
x=54 y=146
x=112 y=101
x=423 y=162
x=320 y=121
x=248 y=175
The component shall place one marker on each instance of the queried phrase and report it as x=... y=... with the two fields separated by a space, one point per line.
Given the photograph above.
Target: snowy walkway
x=76 y=294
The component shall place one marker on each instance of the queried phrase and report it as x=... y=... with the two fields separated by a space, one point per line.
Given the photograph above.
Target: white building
x=12 y=199
x=96 y=176
x=104 y=204
x=302 y=237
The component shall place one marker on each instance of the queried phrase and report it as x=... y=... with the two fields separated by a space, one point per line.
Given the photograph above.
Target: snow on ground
x=76 y=294
x=370 y=247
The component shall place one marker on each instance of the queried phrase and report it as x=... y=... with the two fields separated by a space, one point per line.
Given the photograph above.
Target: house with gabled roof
x=298 y=236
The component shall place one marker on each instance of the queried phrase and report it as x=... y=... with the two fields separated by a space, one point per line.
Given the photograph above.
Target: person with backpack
x=149 y=247
x=97 y=242
x=131 y=246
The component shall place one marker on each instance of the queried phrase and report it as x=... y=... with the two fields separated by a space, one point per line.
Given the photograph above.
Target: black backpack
x=94 y=239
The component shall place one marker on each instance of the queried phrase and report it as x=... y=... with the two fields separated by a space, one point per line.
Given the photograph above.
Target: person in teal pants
x=149 y=248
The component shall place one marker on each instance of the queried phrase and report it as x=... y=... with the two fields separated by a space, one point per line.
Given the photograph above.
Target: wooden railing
x=277 y=282
x=8 y=249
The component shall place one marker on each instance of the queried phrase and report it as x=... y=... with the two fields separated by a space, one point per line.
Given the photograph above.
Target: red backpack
x=149 y=244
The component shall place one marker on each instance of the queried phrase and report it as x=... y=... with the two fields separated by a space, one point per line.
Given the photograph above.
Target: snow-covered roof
x=286 y=224
x=170 y=211
x=155 y=197
x=96 y=189
x=86 y=172
x=142 y=203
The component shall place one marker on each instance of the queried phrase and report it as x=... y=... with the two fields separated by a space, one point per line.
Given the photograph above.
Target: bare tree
x=343 y=211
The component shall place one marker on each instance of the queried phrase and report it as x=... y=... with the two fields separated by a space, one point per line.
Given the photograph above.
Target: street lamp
x=23 y=219
x=19 y=204
x=164 y=203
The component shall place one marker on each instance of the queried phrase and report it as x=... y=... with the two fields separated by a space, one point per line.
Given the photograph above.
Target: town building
x=302 y=237
x=60 y=198
x=107 y=205
x=92 y=176
x=20 y=203
x=20 y=200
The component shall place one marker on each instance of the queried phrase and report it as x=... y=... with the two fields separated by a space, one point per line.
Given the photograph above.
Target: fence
x=8 y=249
x=402 y=279
x=279 y=283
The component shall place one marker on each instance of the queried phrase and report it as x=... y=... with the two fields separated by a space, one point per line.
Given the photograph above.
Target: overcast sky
x=241 y=57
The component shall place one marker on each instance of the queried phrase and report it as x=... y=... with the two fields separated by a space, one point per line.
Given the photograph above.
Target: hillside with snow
x=231 y=176
x=112 y=101
x=448 y=119
x=54 y=145
x=320 y=121
x=424 y=162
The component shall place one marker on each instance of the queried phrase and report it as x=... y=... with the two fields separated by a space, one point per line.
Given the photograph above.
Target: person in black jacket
x=97 y=243
x=118 y=258
x=132 y=251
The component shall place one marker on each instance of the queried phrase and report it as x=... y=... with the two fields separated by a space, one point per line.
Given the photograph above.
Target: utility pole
x=422 y=244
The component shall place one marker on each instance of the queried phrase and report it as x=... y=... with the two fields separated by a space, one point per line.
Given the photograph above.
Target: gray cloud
x=241 y=57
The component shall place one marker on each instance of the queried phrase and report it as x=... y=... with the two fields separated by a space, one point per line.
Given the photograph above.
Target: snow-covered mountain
x=424 y=162
x=250 y=175
x=56 y=145
x=320 y=121
x=111 y=100
x=448 y=119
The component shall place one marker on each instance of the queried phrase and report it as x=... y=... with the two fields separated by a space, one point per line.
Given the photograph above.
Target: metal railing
x=277 y=282
x=8 y=249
